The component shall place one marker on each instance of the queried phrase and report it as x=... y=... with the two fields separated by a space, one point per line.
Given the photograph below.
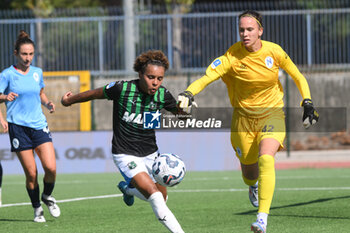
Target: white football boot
x=50 y=202
x=258 y=227
x=39 y=214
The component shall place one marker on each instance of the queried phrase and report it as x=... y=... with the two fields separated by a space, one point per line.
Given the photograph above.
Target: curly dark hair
x=23 y=38
x=254 y=14
x=154 y=57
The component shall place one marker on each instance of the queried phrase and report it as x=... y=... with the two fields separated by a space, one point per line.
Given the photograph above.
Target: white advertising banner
x=90 y=152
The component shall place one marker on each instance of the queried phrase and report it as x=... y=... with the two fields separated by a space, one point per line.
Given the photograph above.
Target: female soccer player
x=22 y=90
x=134 y=148
x=4 y=125
x=250 y=71
x=0 y=183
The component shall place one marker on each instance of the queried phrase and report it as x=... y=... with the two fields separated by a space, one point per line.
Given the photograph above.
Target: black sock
x=0 y=175
x=48 y=188
x=34 y=196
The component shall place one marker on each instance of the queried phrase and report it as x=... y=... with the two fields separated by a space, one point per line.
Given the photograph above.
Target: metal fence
x=191 y=41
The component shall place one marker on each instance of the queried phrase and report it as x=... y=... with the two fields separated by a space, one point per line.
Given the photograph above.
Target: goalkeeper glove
x=186 y=100
x=310 y=116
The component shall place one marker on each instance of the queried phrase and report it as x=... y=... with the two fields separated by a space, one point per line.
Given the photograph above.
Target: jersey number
x=268 y=128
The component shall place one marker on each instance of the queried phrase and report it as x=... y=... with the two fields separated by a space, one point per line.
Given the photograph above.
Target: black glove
x=186 y=100
x=310 y=116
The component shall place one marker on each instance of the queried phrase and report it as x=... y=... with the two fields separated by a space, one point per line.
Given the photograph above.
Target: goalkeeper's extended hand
x=185 y=101
x=310 y=116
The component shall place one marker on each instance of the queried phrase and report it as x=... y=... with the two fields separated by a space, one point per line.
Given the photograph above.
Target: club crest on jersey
x=239 y=152
x=152 y=105
x=269 y=62
x=36 y=76
x=215 y=63
x=110 y=85
x=151 y=120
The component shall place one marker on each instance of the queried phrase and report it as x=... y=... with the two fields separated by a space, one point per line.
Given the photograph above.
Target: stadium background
x=105 y=41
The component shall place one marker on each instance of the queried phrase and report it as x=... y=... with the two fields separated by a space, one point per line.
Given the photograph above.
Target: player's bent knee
x=31 y=176
x=51 y=171
x=147 y=189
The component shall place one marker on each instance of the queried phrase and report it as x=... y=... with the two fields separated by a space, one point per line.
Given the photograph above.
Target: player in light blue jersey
x=26 y=110
x=22 y=90
x=3 y=123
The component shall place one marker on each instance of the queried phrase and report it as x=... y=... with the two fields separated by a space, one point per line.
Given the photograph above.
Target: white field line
x=196 y=179
x=199 y=179
x=67 y=200
x=186 y=191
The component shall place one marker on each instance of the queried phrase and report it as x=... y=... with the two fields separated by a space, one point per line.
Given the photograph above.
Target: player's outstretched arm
x=69 y=98
x=310 y=116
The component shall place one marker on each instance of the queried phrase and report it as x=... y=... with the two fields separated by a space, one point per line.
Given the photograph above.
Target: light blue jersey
x=26 y=109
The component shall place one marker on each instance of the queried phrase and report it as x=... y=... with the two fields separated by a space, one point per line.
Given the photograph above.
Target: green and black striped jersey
x=129 y=104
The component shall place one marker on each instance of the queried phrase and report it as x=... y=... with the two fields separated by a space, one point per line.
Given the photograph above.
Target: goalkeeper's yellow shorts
x=247 y=133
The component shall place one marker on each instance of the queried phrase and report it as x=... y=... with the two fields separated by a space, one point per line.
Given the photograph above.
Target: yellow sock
x=249 y=182
x=267 y=181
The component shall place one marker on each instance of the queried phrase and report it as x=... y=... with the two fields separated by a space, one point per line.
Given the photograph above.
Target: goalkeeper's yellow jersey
x=252 y=78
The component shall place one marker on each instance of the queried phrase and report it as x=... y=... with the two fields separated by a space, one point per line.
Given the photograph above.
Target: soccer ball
x=168 y=169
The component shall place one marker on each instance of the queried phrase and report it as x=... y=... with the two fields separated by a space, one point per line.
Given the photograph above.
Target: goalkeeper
x=250 y=69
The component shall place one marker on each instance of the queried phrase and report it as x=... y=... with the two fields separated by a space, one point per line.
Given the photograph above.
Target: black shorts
x=25 y=138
